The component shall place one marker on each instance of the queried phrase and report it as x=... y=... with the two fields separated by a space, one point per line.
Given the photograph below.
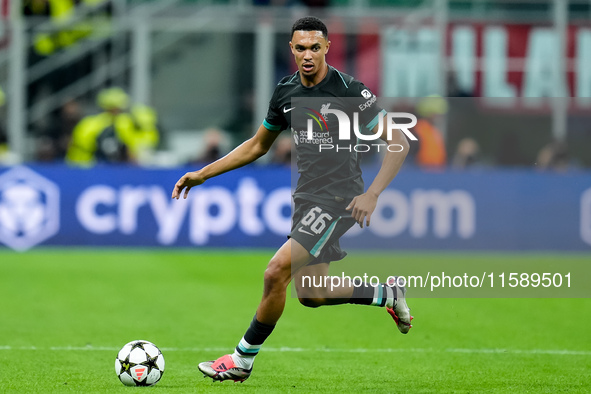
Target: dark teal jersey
x=329 y=167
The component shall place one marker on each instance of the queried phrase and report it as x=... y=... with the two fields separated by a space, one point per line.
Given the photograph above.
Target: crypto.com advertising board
x=251 y=207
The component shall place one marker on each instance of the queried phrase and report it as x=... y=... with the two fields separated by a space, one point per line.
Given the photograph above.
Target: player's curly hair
x=310 y=23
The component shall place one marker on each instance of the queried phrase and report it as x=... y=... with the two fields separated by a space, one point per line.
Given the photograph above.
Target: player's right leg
x=238 y=366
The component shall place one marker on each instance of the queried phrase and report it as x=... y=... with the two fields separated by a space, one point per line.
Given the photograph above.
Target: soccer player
x=329 y=199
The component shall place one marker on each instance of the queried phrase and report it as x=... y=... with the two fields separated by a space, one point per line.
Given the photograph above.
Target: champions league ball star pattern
x=139 y=363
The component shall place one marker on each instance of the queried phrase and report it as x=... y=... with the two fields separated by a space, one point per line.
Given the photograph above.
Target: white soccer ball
x=139 y=363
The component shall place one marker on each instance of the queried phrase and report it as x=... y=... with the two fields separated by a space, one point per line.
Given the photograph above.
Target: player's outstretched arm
x=246 y=153
x=362 y=206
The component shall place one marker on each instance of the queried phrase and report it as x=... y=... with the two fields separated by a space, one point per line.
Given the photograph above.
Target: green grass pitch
x=64 y=313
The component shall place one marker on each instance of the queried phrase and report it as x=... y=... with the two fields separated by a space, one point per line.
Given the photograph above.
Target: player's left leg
x=318 y=228
x=315 y=296
x=390 y=295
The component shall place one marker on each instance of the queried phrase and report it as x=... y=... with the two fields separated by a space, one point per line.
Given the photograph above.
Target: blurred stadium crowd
x=82 y=107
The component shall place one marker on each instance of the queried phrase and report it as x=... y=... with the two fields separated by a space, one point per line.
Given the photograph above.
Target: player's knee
x=312 y=302
x=277 y=272
x=273 y=276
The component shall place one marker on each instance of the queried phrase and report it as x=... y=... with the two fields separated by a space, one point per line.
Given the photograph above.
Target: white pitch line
x=524 y=351
x=322 y=350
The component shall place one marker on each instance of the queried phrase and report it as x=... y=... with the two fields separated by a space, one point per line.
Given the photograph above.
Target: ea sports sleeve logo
x=29 y=208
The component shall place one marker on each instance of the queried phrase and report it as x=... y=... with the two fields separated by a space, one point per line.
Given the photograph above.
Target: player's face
x=309 y=49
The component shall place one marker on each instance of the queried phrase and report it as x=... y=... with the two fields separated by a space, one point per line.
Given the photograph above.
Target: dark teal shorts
x=318 y=229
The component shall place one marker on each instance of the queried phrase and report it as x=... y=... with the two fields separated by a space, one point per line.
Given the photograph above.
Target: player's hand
x=362 y=207
x=186 y=182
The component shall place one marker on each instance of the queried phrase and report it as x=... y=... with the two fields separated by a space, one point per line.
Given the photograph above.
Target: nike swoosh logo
x=301 y=230
x=286 y=110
